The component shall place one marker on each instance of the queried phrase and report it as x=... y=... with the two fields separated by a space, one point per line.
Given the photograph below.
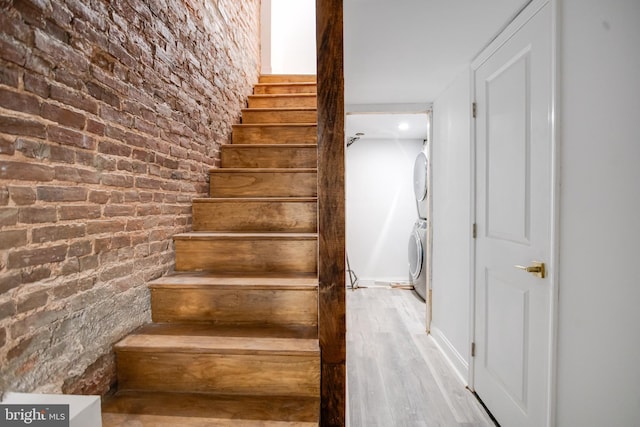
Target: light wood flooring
x=396 y=376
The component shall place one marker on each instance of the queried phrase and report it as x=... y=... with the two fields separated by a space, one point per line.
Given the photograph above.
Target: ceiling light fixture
x=403 y=126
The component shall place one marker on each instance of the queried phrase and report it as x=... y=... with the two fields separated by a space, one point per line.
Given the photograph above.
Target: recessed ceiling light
x=403 y=126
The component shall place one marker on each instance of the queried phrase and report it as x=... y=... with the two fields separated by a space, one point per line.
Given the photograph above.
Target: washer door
x=420 y=177
x=416 y=252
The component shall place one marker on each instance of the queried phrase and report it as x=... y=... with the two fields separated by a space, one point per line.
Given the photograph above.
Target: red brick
x=25 y=171
x=9 y=281
x=71 y=212
x=34 y=149
x=22 y=126
x=60 y=52
x=73 y=174
x=12 y=239
x=12 y=51
x=145 y=210
x=135 y=225
x=37 y=84
x=7 y=145
x=143 y=155
x=4 y=196
x=108 y=147
x=73 y=98
x=70 y=137
x=62 y=154
x=104 y=163
x=88 y=262
x=38 y=256
x=119 y=210
x=78 y=249
x=117 y=197
x=103 y=94
x=7 y=309
x=38 y=214
x=142 y=182
x=95 y=127
x=9 y=77
x=32 y=301
x=62 y=194
x=58 y=232
x=8 y=216
x=109 y=226
x=116 y=180
x=19 y=101
x=35 y=274
x=97 y=196
x=63 y=116
x=22 y=195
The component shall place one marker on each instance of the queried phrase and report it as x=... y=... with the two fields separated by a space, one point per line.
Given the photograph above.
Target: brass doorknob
x=537 y=268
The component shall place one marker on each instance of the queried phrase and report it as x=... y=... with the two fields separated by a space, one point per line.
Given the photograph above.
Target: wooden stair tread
x=231 y=330
x=269 y=78
x=279 y=109
x=262 y=170
x=310 y=83
x=249 y=281
x=283 y=95
x=203 y=409
x=274 y=125
x=206 y=340
x=206 y=235
x=254 y=199
x=258 y=146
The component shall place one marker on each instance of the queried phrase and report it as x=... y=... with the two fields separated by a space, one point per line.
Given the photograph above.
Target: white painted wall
x=380 y=207
x=451 y=221
x=598 y=373
x=599 y=282
x=293 y=37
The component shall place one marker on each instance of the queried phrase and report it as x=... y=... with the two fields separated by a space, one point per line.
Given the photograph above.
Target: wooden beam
x=331 y=211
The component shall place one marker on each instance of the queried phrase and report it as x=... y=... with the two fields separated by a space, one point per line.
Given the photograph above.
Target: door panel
x=513 y=214
x=508 y=152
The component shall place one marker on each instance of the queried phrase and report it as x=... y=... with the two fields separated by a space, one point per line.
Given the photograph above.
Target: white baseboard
x=460 y=366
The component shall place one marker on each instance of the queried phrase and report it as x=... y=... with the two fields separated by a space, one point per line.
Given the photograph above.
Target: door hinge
x=473 y=349
x=474 y=109
x=474 y=230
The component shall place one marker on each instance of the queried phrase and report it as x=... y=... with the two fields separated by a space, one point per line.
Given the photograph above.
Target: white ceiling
x=388 y=126
x=409 y=51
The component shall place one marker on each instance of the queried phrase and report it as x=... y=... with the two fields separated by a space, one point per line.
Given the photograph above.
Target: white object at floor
x=83 y=410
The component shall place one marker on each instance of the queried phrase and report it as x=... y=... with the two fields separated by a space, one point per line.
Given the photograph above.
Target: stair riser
x=243 y=306
x=276 y=156
x=263 y=184
x=289 y=101
x=275 y=116
x=247 y=256
x=262 y=89
x=249 y=216
x=262 y=375
x=275 y=135
x=287 y=78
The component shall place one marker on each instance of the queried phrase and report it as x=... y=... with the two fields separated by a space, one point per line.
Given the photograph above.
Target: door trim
x=520 y=20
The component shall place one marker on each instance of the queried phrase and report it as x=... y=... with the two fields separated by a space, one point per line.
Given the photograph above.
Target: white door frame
x=523 y=17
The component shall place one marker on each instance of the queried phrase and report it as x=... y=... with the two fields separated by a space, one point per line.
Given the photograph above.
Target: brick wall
x=111 y=114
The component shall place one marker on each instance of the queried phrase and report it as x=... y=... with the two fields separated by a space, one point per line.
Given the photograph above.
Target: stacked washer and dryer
x=418 y=238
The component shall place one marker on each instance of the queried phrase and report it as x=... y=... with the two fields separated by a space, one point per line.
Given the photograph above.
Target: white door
x=513 y=214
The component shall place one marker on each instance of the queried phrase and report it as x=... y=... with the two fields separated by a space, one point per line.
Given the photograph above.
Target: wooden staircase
x=234 y=338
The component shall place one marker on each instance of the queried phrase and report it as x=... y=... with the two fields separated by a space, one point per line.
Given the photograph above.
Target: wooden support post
x=331 y=211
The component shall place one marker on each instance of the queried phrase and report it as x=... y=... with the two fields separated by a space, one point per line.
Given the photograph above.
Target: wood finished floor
x=396 y=376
